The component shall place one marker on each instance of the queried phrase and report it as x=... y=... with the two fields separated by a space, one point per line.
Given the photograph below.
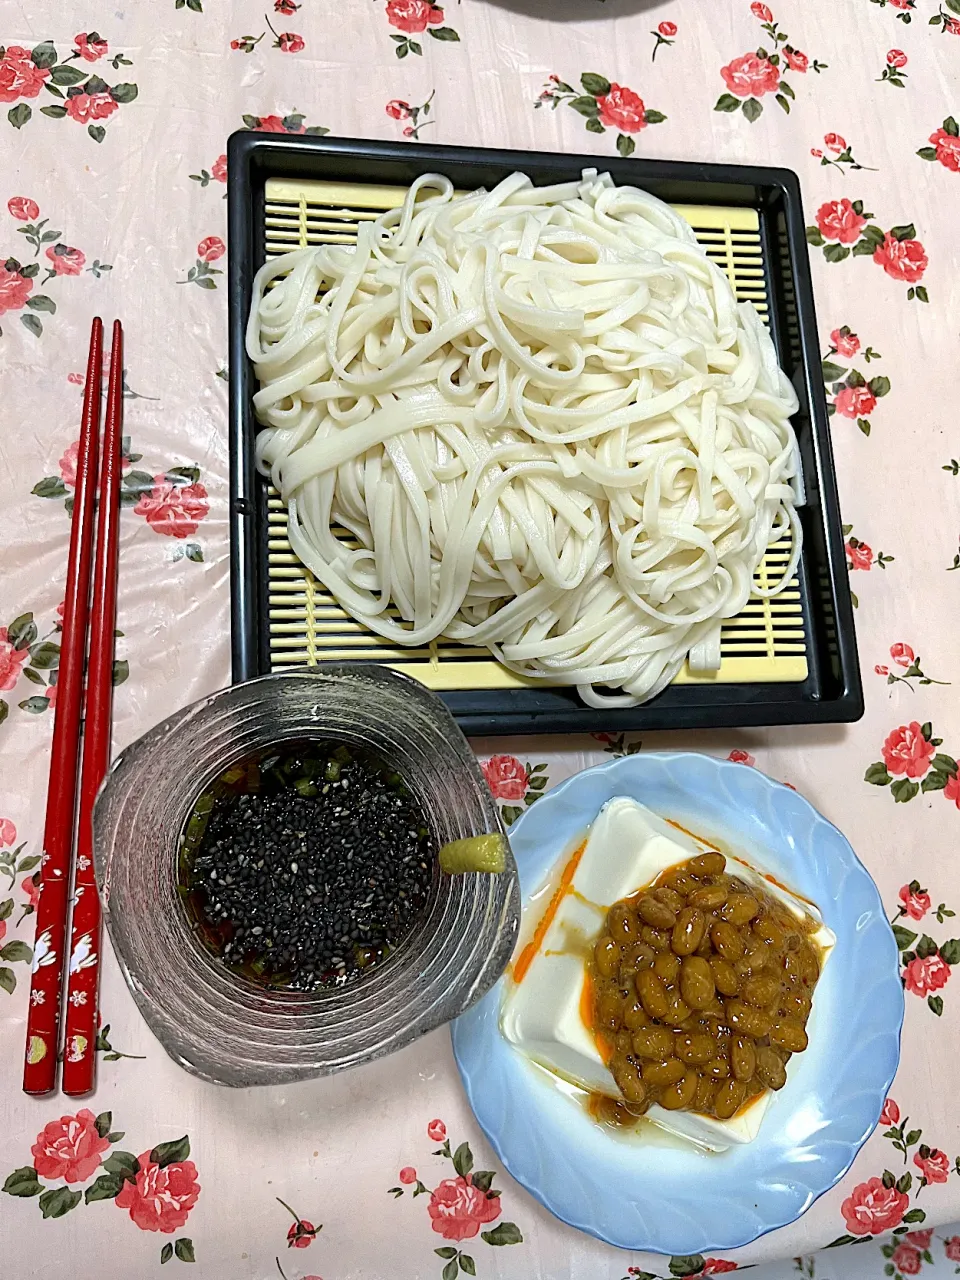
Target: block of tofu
x=628 y=846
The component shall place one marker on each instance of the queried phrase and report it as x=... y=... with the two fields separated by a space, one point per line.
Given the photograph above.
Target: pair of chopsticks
x=83 y=709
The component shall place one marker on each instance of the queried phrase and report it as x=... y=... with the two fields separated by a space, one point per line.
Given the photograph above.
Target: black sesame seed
x=304 y=886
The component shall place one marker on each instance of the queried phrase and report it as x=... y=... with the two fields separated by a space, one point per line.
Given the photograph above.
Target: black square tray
x=832 y=689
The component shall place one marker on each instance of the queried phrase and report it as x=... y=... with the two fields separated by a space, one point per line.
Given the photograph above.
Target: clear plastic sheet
x=135 y=225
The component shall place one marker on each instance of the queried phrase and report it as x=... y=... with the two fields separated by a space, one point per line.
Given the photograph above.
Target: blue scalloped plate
x=665 y=1197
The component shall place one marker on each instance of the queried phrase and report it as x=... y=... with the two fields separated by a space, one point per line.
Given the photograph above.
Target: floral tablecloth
x=111 y=201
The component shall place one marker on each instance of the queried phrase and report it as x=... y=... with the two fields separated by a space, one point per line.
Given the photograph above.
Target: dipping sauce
x=701 y=986
x=305 y=865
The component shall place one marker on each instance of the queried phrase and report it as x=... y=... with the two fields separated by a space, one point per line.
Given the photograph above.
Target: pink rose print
x=916 y=902
x=871 y=1208
x=906 y=1259
x=23 y=209
x=796 y=60
x=902 y=654
x=89 y=46
x=739 y=756
x=935 y=1166
x=890 y=1113
x=920 y=1239
x=173 y=510
x=859 y=556
x=946 y=148
x=219 y=169
x=20 y=77
x=622 y=109
x=413 y=16
x=3 y=929
x=901 y=259
x=69 y=1148
x=290 y=42
x=461 y=1205
x=211 y=248
x=301 y=1234
x=663 y=37
x=838 y=220
x=90 y=106
x=506 y=777
x=951 y=791
x=273 y=124
x=751 y=77
x=286 y=7
x=855 y=402
x=8 y=832
x=14 y=289
x=907 y=751
x=29 y=884
x=893 y=73
x=761 y=12
x=951 y=26
x=160 y=1198
x=717 y=1266
x=924 y=975
x=951 y=1248
x=400 y=109
x=839 y=152
x=458 y=1209
x=603 y=105
x=845 y=344
x=76 y=379
x=11 y=662
x=881 y=671
x=65 y=261
x=68 y=465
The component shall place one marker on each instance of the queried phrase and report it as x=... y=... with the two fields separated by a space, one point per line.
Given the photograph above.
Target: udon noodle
x=543 y=418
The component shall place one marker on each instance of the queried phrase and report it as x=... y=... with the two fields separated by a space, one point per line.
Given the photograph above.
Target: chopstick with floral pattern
x=43 y=1014
x=79 y=1053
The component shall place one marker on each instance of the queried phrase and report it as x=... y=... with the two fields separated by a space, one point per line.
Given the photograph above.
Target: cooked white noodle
x=545 y=421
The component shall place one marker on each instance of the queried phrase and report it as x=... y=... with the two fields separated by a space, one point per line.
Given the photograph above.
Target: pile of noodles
x=545 y=421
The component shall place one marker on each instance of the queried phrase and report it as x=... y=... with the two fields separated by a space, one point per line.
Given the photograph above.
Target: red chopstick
x=79 y=1055
x=43 y=1014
